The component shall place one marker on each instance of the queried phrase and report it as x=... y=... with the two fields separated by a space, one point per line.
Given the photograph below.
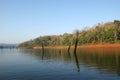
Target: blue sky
x=22 y=20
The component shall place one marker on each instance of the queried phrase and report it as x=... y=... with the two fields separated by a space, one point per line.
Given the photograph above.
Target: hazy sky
x=22 y=20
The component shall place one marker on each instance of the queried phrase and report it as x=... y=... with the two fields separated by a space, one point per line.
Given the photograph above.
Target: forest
x=100 y=34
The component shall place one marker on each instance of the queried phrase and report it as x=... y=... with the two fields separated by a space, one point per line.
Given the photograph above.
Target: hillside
x=100 y=34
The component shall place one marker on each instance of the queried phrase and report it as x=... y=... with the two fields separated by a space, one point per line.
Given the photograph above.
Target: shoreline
x=83 y=46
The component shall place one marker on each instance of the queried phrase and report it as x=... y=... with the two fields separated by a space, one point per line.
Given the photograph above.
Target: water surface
x=56 y=64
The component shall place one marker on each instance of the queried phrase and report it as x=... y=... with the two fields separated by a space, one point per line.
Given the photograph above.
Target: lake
x=58 y=64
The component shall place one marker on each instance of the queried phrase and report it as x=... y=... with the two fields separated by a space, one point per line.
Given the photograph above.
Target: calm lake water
x=56 y=64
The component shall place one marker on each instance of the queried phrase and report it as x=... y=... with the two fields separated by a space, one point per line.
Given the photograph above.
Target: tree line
x=102 y=33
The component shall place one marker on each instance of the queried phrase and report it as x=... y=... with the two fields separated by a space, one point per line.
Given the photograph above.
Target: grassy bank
x=83 y=46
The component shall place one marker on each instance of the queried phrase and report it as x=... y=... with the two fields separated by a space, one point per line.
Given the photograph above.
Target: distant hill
x=3 y=45
x=100 y=34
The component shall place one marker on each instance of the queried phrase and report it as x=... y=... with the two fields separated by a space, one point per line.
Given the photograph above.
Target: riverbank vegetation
x=100 y=34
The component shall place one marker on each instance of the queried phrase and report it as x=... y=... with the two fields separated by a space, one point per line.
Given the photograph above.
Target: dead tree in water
x=69 y=48
x=76 y=40
x=42 y=49
x=42 y=46
x=70 y=44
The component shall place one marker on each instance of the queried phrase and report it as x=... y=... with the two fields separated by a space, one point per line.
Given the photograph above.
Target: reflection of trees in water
x=77 y=62
x=118 y=64
x=54 y=54
x=104 y=59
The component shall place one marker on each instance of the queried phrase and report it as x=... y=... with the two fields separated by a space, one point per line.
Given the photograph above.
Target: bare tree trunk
x=76 y=42
x=76 y=58
x=69 y=48
x=71 y=42
x=42 y=50
x=115 y=34
x=42 y=47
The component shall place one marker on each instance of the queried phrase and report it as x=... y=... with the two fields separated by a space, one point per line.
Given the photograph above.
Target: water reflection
x=77 y=62
x=105 y=60
x=42 y=54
